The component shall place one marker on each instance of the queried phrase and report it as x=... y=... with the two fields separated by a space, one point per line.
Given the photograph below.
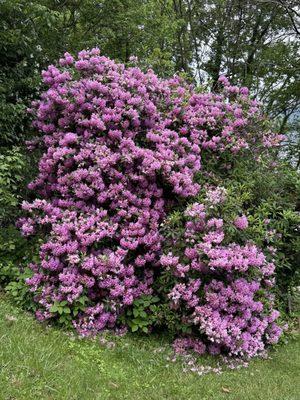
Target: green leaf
x=53 y=308
x=135 y=313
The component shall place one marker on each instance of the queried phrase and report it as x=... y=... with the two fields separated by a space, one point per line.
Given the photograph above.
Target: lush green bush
x=12 y=166
x=16 y=253
x=28 y=40
x=270 y=195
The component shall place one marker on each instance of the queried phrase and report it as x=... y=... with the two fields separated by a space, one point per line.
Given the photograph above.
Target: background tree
x=255 y=43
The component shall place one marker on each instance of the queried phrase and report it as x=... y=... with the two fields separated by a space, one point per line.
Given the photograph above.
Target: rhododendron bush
x=122 y=150
x=234 y=311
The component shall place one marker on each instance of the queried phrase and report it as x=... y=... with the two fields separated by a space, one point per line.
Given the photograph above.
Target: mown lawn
x=42 y=363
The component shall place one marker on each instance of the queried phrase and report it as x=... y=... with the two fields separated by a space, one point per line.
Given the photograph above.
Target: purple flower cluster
x=241 y=222
x=223 y=290
x=120 y=147
x=226 y=121
x=110 y=152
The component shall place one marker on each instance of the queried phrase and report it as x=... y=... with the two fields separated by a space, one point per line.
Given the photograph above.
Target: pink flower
x=241 y=222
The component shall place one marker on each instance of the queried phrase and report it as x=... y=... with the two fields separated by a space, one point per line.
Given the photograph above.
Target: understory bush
x=135 y=223
x=12 y=163
x=15 y=251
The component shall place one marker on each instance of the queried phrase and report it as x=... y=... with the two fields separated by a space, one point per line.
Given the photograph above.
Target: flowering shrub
x=222 y=289
x=111 y=160
x=121 y=150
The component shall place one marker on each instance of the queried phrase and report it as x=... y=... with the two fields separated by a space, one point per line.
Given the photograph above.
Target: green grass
x=41 y=363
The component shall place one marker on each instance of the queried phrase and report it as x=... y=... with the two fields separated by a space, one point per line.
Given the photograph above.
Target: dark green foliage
x=143 y=314
x=27 y=38
x=12 y=166
x=15 y=254
x=270 y=194
x=65 y=314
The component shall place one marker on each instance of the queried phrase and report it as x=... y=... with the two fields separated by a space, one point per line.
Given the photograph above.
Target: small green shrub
x=19 y=291
x=15 y=254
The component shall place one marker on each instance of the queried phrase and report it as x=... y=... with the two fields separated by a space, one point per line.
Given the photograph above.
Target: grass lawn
x=41 y=363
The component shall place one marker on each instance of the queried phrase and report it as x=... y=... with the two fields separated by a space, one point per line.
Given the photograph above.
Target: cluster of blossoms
x=221 y=125
x=111 y=154
x=120 y=147
x=241 y=222
x=222 y=289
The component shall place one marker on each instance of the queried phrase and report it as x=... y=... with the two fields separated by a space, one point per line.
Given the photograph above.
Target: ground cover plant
x=135 y=227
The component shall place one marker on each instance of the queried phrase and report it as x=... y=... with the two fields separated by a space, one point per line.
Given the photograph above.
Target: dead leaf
x=226 y=390
x=10 y=318
x=114 y=385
